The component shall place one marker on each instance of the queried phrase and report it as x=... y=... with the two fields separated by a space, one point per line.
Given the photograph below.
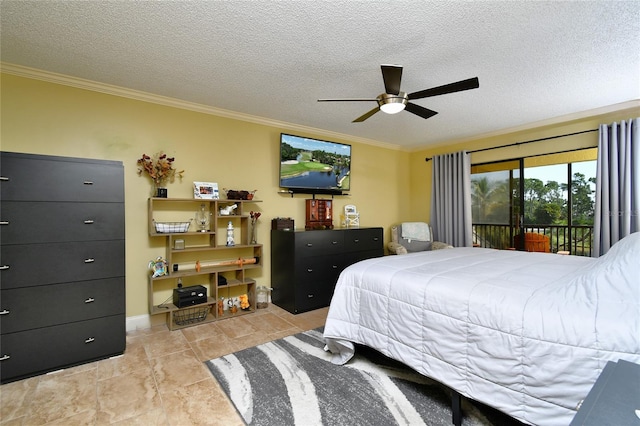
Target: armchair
x=410 y=237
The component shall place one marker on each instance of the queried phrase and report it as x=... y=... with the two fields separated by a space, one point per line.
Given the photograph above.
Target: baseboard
x=138 y=322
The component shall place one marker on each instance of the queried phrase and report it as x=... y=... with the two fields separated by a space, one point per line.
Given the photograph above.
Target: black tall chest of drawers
x=62 y=264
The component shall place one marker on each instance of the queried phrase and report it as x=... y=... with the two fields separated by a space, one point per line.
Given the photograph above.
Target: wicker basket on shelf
x=171 y=227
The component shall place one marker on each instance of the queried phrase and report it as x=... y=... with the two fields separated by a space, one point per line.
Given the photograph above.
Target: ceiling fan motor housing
x=392 y=104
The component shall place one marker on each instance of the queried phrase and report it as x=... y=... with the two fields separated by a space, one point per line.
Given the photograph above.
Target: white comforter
x=526 y=333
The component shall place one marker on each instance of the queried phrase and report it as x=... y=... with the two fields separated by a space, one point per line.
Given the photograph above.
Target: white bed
x=526 y=333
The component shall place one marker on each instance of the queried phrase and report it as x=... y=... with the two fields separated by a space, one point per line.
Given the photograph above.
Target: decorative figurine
x=230 y=237
x=244 y=302
x=226 y=211
x=232 y=306
x=159 y=267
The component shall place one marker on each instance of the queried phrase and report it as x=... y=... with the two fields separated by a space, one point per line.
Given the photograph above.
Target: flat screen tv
x=314 y=166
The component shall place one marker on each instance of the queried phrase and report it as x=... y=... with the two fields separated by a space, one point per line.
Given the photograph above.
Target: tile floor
x=159 y=380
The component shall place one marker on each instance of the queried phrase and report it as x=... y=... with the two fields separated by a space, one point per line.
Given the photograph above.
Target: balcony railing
x=576 y=239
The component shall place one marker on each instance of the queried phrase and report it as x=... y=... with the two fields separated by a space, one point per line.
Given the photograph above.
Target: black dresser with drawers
x=62 y=264
x=305 y=265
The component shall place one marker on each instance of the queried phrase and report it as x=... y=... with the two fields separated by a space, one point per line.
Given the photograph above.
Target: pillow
x=616 y=269
x=415 y=245
x=411 y=245
x=625 y=250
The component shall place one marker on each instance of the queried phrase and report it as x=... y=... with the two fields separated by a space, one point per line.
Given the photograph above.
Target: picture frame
x=206 y=190
x=350 y=209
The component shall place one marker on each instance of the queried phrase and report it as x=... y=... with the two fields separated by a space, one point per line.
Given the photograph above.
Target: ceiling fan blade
x=347 y=100
x=419 y=110
x=365 y=116
x=392 y=76
x=471 y=83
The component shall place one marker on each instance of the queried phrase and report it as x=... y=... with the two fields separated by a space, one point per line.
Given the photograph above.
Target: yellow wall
x=388 y=185
x=421 y=170
x=51 y=119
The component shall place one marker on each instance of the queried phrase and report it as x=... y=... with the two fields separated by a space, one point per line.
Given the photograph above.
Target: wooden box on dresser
x=305 y=265
x=62 y=264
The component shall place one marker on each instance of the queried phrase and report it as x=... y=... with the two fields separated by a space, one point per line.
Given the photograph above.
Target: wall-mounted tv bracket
x=314 y=193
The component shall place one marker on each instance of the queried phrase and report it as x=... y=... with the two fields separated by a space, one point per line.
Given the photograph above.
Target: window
x=555 y=199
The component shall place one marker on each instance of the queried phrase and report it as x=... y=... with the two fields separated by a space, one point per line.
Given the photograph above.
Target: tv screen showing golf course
x=313 y=164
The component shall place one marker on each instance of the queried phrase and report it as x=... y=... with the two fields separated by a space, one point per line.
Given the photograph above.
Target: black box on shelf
x=282 y=224
x=187 y=296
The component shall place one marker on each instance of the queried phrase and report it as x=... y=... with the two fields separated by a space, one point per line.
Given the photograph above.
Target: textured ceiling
x=535 y=60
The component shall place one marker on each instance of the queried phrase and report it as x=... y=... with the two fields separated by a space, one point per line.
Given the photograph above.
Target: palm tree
x=481 y=192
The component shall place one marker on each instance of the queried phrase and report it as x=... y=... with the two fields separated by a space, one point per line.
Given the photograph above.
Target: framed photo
x=350 y=209
x=206 y=190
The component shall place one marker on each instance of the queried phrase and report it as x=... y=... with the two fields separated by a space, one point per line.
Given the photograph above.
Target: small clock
x=159 y=267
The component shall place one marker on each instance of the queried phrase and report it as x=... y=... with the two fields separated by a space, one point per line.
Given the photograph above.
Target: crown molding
x=109 y=89
x=138 y=95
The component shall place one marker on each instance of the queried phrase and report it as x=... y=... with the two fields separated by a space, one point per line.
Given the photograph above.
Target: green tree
x=499 y=202
x=490 y=199
x=545 y=203
x=582 y=199
x=287 y=152
x=533 y=198
x=481 y=190
x=547 y=213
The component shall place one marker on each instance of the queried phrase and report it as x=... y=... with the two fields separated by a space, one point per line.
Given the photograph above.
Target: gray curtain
x=617 y=208
x=451 y=199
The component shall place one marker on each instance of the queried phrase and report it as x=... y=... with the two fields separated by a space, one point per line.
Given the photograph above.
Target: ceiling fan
x=394 y=101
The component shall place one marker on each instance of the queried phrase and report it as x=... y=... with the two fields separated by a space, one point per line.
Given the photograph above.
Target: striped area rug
x=291 y=381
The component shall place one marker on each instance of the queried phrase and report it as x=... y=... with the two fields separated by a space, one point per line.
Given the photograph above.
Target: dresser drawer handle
x=4 y=267
x=309 y=245
x=90 y=300
x=4 y=312
x=375 y=238
x=88 y=222
x=334 y=266
x=5 y=357
x=334 y=242
x=88 y=182
x=4 y=222
x=89 y=340
x=356 y=241
x=4 y=178
x=310 y=296
x=90 y=260
x=309 y=270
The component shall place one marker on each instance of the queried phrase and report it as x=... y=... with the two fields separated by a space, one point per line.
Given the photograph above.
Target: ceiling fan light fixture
x=393 y=101
x=392 y=104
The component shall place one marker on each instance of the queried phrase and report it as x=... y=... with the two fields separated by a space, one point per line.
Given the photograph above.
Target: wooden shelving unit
x=207 y=250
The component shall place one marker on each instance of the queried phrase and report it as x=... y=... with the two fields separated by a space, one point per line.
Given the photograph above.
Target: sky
x=313 y=144
x=558 y=172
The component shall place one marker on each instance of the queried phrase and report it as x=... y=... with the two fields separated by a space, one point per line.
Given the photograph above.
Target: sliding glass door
x=549 y=209
x=496 y=203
